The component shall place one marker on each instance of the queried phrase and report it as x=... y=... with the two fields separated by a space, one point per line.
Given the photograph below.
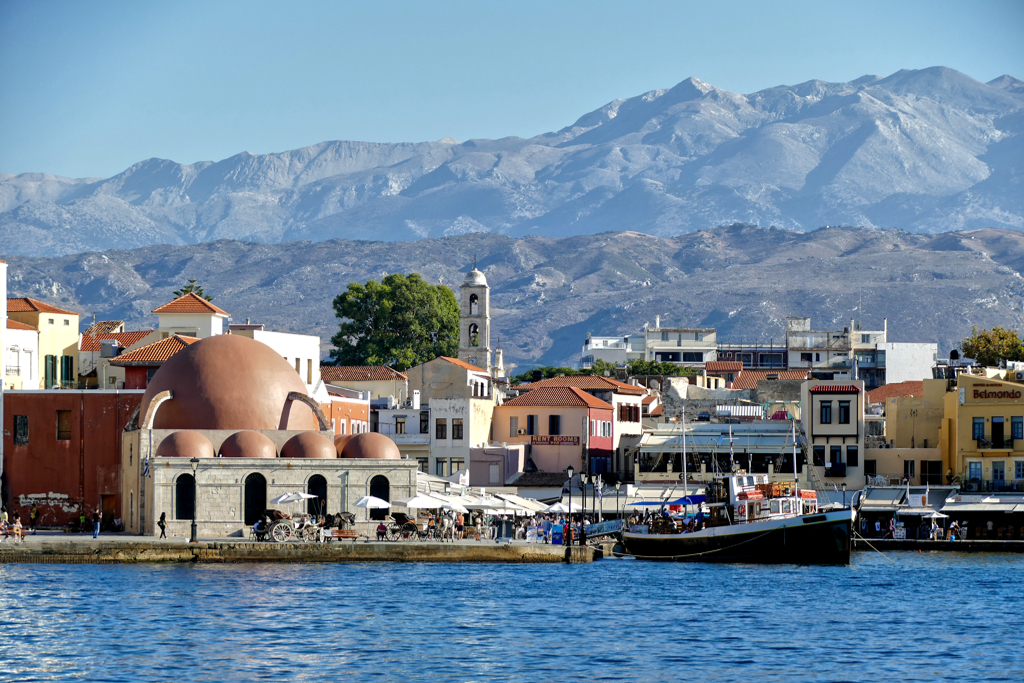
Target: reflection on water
x=920 y=617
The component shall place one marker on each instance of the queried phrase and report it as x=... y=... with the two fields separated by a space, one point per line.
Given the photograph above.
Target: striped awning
x=835 y=389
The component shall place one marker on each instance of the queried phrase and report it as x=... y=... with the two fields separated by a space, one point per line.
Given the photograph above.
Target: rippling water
x=926 y=617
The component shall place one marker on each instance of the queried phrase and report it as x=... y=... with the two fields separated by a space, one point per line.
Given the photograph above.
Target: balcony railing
x=990 y=485
x=894 y=479
x=994 y=444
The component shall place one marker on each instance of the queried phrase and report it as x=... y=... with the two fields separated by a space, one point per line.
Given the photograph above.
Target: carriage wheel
x=394 y=532
x=310 y=534
x=281 y=532
x=412 y=531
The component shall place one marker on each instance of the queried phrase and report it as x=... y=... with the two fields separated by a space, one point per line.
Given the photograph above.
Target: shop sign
x=555 y=440
x=999 y=391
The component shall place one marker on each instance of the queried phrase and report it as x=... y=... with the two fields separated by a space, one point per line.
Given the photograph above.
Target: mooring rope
x=856 y=535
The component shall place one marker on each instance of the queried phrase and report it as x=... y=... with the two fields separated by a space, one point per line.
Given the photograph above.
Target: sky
x=89 y=88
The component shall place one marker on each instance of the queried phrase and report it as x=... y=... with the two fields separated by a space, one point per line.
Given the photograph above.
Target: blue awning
x=688 y=500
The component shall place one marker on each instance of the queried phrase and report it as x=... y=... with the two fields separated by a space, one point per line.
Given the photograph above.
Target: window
x=51 y=321
x=474 y=335
x=494 y=474
x=870 y=468
x=1018 y=469
x=844 y=412
x=400 y=425
x=474 y=304
x=908 y=469
x=817 y=357
x=819 y=456
x=298 y=366
x=423 y=464
x=63 y=425
x=690 y=357
x=664 y=335
x=852 y=456
x=424 y=422
x=458 y=464
x=513 y=425
x=978 y=428
x=441 y=429
x=184 y=496
x=21 y=430
x=439 y=467
x=835 y=455
x=974 y=471
x=457 y=428
x=554 y=425
x=1017 y=428
x=341 y=427
x=309 y=371
x=826 y=413
x=531 y=425
x=865 y=339
x=805 y=357
x=50 y=370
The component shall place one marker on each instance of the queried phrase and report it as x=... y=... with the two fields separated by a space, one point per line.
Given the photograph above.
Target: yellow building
x=58 y=340
x=983 y=433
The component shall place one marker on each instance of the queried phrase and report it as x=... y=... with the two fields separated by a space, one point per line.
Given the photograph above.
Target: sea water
x=900 y=617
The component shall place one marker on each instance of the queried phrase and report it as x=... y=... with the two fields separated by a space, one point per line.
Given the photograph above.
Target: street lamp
x=568 y=527
x=584 y=480
x=844 y=494
x=195 y=495
x=617 y=513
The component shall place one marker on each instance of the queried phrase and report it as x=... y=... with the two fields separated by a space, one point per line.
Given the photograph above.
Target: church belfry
x=475 y=320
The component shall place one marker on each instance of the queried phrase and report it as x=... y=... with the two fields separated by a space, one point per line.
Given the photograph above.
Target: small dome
x=185 y=444
x=371 y=445
x=248 y=445
x=475 y=278
x=308 y=445
x=340 y=441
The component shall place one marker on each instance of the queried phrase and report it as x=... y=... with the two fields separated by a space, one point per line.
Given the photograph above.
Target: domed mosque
x=229 y=419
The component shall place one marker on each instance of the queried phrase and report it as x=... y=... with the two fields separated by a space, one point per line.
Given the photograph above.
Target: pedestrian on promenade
x=19 y=532
x=163 y=525
x=33 y=518
x=97 y=517
x=3 y=515
x=878 y=528
x=892 y=528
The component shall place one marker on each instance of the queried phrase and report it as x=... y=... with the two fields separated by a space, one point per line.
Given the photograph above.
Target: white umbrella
x=421 y=502
x=292 y=497
x=372 y=502
x=563 y=508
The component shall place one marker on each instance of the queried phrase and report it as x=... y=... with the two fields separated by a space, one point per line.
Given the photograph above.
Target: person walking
x=33 y=518
x=97 y=517
x=163 y=525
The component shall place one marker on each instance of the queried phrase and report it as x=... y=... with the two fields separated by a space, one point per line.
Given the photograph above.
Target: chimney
x=657 y=322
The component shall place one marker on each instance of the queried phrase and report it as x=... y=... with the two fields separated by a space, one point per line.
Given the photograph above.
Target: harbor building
x=832 y=412
x=57 y=359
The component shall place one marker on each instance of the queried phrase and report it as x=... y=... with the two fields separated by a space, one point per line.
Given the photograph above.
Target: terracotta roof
x=587 y=382
x=887 y=391
x=748 y=379
x=190 y=303
x=558 y=397
x=648 y=400
x=124 y=339
x=463 y=364
x=359 y=373
x=835 y=389
x=15 y=325
x=105 y=327
x=715 y=366
x=155 y=353
x=657 y=411
x=27 y=305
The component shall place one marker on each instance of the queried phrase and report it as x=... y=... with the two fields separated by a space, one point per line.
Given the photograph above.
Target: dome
x=340 y=441
x=371 y=445
x=308 y=445
x=228 y=382
x=475 y=278
x=248 y=445
x=185 y=444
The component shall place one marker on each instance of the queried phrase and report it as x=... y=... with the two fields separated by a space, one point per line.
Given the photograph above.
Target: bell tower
x=475 y=320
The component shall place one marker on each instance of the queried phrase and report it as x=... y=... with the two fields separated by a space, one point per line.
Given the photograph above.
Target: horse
x=446 y=525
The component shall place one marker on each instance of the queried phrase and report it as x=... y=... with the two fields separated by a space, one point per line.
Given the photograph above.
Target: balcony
x=990 y=485
x=994 y=445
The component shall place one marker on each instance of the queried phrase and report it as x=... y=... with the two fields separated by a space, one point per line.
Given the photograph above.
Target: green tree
x=400 y=321
x=650 y=367
x=988 y=347
x=191 y=286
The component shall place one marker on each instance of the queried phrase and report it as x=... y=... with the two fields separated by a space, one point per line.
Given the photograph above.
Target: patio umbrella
x=421 y=502
x=372 y=502
x=292 y=497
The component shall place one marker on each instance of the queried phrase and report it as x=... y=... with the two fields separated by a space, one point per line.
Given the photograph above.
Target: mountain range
x=925 y=151
x=548 y=294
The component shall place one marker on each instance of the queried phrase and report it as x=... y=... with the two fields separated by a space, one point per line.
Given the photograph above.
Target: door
x=380 y=487
x=999 y=474
x=997 y=432
x=109 y=512
x=317 y=486
x=255 y=497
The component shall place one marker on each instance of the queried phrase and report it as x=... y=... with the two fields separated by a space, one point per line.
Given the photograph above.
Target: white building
x=20 y=355
x=302 y=351
x=905 y=362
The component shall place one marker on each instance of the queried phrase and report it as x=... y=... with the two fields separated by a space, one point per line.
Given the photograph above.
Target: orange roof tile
x=586 y=382
x=28 y=305
x=898 y=390
x=463 y=364
x=124 y=339
x=155 y=353
x=657 y=411
x=715 y=366
x=748 y=379
x=558 y=397
x=648 y=400
x=15 y=325
x=360 y=373
x=190 y=303
x=105 y=327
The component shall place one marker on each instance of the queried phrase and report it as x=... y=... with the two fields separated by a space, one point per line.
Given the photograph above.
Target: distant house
x=58 y=340
x=141 y=364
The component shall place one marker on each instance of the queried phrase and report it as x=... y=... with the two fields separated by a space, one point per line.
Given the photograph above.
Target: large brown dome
x=308 y=445
x=185 y=444
x=228 y=382
x=371 y=445
x=248 y=445
x=340 y=441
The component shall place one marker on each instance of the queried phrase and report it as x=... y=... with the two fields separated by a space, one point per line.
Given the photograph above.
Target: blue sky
x=88 y=88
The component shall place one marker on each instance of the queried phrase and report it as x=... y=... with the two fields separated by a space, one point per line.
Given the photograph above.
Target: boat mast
x=796 y=481
x=683 y=418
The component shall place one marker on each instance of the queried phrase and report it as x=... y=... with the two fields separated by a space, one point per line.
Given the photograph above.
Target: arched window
x=474 y=304
x=255 y=497
x=474 y=335
x=317 y=486
x=380 y=487
x=184 y=496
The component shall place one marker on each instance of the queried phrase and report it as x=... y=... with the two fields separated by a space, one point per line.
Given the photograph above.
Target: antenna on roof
x=474 y=261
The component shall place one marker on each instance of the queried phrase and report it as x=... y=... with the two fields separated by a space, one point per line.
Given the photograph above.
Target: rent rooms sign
x=555 y=440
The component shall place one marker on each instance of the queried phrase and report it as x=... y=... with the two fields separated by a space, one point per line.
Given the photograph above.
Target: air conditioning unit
x=1019 y=376
x=522 y=431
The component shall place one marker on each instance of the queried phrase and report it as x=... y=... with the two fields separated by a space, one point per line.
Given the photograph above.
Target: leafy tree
x=988 y=347
x=600 y=367
x=400 y=321
x=650 y=367
x=193 y=287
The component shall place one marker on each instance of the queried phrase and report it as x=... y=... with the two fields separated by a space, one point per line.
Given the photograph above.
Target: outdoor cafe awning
x=981 y=507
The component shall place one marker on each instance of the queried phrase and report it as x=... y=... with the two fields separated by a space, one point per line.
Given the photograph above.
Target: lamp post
x=844 y=494
x=570 y=471
x=195 y=495
x=617 y=513
x=584 y=479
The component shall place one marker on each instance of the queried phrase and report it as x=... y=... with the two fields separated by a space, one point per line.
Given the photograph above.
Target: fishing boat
x=749 y=520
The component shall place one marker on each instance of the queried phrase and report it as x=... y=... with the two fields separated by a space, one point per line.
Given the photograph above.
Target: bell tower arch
x=475 y=320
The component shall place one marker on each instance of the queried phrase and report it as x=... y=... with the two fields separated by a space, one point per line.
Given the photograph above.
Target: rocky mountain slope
x=548 y=294
x=926 y=151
